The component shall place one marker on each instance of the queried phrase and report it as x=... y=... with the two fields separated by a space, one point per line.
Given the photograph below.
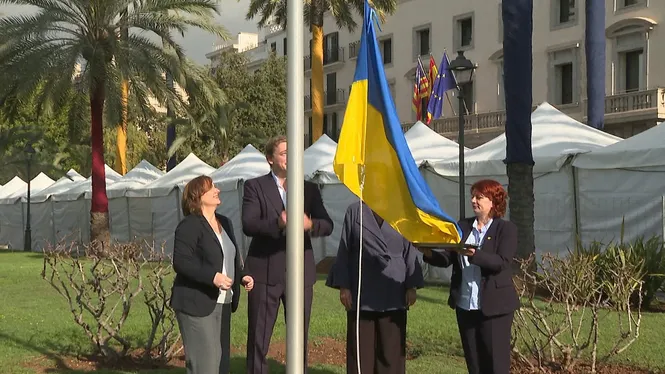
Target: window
x=563 y=76
x=331 y=126
x=284 y=46
x=387 y=50
x=630 y=52
x=632 y=63
x=421 y=41
x=273 y=47
x=309 y=134
x=501 y=98
x=621 y=4
x=331 y=89
x=331 y=48
x=463 y=31
x=563 y=13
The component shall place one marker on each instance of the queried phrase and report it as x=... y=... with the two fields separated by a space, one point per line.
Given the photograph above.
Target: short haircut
x=272 y=143
x=494 y=191
x=191 y=196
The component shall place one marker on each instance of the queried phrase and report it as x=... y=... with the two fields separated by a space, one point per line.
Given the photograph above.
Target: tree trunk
x=594 y=48
x=121 y=128
x=170 y=129
x=99 y=207
x=521 y=204
x=317 y=69
x=121 y=133
x=517 y=68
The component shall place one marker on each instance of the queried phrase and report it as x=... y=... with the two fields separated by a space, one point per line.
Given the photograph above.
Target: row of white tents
x=586 y=182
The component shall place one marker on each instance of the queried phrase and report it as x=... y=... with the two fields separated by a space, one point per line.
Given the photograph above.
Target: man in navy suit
x=264 y=219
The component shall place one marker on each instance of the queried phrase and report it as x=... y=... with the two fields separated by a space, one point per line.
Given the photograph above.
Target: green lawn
x=35 y=325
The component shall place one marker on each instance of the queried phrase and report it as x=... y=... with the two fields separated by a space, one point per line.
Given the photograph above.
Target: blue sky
x=196 y=42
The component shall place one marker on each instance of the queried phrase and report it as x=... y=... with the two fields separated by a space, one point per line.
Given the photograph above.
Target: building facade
x=635 y=81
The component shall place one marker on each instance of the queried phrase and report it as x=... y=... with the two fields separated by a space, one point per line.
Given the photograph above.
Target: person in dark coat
x=209 y=272
x=482 y=290
x=391 y=274
x=264 y=218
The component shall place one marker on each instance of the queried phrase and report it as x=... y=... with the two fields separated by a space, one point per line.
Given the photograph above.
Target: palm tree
x=517 y=18
x=45 y=48
x=342 y=11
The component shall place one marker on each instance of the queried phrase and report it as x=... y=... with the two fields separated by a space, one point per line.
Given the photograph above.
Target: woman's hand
x=222 y=282
x=410 y=296
x=427 y=252
x=469 y=251
x=248 y=281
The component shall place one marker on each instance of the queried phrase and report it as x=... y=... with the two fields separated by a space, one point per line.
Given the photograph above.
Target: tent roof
x=84 y=187
x=142 y=174
x=318 y=160
x=12 y=187
x=642 y=150
x=188 y=169
x=555 y=137
x=247 y=164
x=61 y=185
x=426 y=144
x=37 y=184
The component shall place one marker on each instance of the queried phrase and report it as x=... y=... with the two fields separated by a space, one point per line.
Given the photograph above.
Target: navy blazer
x=197 y=257
x=261 y=209
x=497 y=294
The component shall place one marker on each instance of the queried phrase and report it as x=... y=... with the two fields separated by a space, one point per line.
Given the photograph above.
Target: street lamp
x=463 y=70
x=27 y=240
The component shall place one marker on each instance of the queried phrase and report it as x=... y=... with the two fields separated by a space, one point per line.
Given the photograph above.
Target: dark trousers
x=486 y=341
x=382 y=342
x=207 y=341
x=262 y=306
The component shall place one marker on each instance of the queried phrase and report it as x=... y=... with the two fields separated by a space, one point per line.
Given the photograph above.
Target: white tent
x=555 y=139
x=71 y=209
x=131 y=221
x=229 y=178
x=426 y=144
x=13 y=186
x=13 y=215
x=336 y=196
x=164 y=196
x=623 y=182
x=42 y=211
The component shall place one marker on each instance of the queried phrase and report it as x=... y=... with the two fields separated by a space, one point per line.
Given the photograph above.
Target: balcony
x=632 y=107
x=330 y=58
x=354 y=49
x=257 y=53
x=330 y=99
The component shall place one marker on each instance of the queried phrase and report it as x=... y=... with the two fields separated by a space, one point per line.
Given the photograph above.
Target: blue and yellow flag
x=372 y=153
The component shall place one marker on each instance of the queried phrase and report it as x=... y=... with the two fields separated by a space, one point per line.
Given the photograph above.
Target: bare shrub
x=586 y=289
x=99 y=283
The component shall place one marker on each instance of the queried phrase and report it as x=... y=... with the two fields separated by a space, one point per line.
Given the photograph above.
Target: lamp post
x=463 y=69
x=27 y=240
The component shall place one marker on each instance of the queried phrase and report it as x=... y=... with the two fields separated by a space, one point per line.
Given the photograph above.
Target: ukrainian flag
x=372 y=152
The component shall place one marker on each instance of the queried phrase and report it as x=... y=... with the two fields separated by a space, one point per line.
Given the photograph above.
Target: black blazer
x=197 y=257
x=261 y=208
x=497 y=294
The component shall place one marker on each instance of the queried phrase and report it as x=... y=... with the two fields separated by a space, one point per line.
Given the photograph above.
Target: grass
x=35 y=324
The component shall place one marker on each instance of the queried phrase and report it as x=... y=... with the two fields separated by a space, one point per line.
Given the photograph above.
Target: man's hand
x=221 y=281
x=248 y=281
x=410 y=296
x=282 y=220
x=307 y=222
x=346 y=298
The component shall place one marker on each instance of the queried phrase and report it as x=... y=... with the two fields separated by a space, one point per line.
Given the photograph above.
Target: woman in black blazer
x=209 y=271
x=481 y=290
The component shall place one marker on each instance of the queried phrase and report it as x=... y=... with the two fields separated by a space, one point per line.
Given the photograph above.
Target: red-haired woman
x=209 y=271
x=481 y=290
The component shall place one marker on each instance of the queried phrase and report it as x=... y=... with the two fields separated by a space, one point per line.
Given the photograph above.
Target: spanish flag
x=373 y=159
